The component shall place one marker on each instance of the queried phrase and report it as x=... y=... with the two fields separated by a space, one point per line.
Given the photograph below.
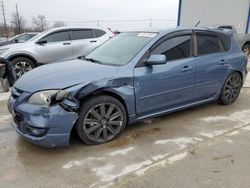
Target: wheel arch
x=103 y=91
x=107 y=92
x=23 y=55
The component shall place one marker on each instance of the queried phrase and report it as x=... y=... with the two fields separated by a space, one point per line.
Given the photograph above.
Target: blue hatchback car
x=133 y=76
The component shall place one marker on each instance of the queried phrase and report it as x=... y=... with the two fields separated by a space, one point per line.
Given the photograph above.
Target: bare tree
x=59 y=24
x=40 y=23
x=18 y=22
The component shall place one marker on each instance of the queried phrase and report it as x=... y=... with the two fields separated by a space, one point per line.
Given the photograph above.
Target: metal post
x=18 y=19
x=4 y=19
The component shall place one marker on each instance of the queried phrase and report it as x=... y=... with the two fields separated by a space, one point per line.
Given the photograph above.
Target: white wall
x=211 y=12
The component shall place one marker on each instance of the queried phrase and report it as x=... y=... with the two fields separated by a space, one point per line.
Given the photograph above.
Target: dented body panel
x=145 y=90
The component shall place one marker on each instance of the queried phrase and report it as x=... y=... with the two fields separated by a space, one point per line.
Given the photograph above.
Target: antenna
x=197 y=23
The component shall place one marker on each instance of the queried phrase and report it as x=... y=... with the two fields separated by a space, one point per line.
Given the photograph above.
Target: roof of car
x=165 y=31
x=75 y=27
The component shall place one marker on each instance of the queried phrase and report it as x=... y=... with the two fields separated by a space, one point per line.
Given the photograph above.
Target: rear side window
x=175 y=48
x=208 y=44
x=82 y=34
x=98 y=32
x=225 y=42
x=57 y=37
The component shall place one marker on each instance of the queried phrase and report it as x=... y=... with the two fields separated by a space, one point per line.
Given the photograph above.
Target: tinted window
x=207 y=44
x=175 y=48
x=82 y=34
x=225 y=42
x=98 y=32
x=57 y=37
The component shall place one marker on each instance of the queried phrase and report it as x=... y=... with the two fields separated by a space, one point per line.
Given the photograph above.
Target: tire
x=22 y=65
x=231 y=89
x=5 y=85
x=101 y=119
x=246 y=49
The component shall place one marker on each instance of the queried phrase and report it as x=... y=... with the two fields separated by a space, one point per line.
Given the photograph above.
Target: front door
x=162 y=87
x=57 y=47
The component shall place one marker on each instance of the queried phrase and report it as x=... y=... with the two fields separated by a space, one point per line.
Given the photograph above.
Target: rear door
x=211 y=64
x=58 y=47
x=84 y=41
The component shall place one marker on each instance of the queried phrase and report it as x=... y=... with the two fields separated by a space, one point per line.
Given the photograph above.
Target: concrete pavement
x=205 y=146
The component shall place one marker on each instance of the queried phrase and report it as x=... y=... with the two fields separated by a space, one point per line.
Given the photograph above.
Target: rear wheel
x=102 y=118
x=246 y=49
x=22 y=65
x=231 y=89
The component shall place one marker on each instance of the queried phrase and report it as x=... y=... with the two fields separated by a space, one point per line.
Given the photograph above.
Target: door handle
x=66 y=43
x=93 y=41
x=186 y=68
x=223 y=62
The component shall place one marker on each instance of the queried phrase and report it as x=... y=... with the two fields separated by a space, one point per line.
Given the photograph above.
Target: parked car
x=242 y=39
x=54 y=45
x=133 y=76
x=2 y=39
x=19 y=38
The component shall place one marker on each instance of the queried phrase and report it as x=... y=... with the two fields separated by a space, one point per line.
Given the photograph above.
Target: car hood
x=10 y=45
x=64 y=74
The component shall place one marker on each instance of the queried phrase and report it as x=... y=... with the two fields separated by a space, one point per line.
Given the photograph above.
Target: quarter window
x=208 y=44
x=225 y=42
x=82 y=34
x=175 y=48
x=57 y=37
x=98 y=32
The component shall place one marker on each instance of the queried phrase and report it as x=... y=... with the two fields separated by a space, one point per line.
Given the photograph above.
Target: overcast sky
x=163 y=12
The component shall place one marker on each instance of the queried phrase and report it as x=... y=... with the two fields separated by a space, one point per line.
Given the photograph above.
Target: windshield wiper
x=93 y=60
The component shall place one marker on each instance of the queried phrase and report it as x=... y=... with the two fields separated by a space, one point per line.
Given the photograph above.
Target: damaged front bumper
x=45 y=126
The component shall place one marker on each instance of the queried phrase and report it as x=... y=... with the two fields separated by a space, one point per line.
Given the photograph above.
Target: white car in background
x=54 y=45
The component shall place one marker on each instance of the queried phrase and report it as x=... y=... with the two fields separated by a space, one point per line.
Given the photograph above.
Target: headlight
x=3 y=50
x=48 y=97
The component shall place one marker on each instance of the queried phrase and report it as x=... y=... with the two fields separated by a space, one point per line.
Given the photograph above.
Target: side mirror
x=16 y=40
x=41 y=42
x=156 y=59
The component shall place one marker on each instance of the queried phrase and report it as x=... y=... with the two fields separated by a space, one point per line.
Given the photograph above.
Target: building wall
x=211 y=12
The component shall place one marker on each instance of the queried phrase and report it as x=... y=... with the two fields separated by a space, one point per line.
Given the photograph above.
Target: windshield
x=121 y=49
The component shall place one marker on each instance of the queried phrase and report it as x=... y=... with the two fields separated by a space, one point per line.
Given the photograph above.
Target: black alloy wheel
x=101 y=119
x=231 y=88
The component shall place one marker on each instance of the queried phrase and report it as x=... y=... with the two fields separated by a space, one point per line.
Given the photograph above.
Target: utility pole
x=4 y=19
x=150 y=22
x=18 y=19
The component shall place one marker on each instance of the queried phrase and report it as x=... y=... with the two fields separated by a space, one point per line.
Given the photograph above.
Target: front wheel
x=101 y=119
x=22 y=65
x=231 y=89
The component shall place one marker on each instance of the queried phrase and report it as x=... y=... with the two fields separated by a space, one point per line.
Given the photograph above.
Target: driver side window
x=57 y=37
x=175 y=48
